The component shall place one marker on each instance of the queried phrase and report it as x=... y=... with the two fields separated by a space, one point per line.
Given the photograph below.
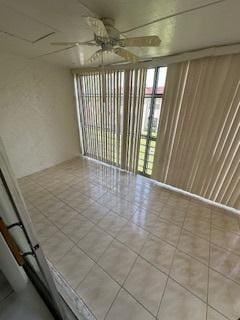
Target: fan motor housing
x=106 y=43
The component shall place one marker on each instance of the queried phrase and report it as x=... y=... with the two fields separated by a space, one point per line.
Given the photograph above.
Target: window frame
x=148 y=137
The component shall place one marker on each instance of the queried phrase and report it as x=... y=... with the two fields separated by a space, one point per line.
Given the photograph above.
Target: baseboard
x=193 y=196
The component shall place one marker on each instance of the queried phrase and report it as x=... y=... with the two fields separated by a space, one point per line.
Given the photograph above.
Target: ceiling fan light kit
x=108 y=38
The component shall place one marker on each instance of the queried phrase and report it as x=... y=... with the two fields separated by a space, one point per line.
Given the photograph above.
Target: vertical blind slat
x=111 y=108
x=198 y=144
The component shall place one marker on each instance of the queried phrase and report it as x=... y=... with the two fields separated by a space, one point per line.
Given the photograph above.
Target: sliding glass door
x=109 y=108
x=154 y=91
x=118 y=115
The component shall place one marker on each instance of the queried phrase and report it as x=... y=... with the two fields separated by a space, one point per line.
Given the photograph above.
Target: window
x=101 y=101
x=110 y=105
x=154 y=90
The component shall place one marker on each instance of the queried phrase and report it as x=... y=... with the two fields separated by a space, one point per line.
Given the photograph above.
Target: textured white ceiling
x=28 y=26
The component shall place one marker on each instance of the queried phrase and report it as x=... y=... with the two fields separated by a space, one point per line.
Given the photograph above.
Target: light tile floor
x=133 y=250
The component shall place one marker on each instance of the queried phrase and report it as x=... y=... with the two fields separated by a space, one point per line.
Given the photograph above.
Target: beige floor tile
x=81 y=188
x=57 y=189
x=36 y=215
x=226 y=240
x=125 y=307
x=98 y=291
x=69 y=194
x=154 y=204
x=173 y=214
x=226 y=222
x=201 y=228
x=146 y=284
x=224 y=295
x=108 y=200
x=95 y=212
x=125 y=209
x=181 y=202
x=47 y=203
x=144 y=219
x=57 y=246
x=117 y=261
x=51 y=206
x=155 y=216
x=96 y=192
x=61 y=217
x=44 y=229
x=95 y=243
x=112 y=223
x=200 y=211
x=134 y=197
x=36 y=194
x=214 y=315
x=133 y=236
x=77 y=228
x=80 y=203
x=159 y=195
x=225 y=262
x=194 y=246
x=74 y=266
x=158 y=253
x=180 y=304
x=166 y=231
x=190 y=273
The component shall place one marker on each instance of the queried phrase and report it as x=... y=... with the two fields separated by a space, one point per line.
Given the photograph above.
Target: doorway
x=21 y=255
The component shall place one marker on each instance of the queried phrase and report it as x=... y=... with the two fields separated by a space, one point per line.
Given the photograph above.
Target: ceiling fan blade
x=97 y=27
x=73 y=43
x=96 y=55
x=148 y=41
x=125 y=54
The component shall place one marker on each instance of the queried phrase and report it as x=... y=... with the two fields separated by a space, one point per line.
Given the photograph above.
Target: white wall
x=37 y=114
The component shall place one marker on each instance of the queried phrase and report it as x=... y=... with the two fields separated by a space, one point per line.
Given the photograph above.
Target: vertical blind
x=100 y=105
x=110 y=105
x=132 y=118
x=199 y=131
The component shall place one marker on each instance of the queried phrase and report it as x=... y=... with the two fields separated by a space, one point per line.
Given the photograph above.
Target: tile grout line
x=146 y=230
x=96 y=185
x=120 y=288
x=224 y=316
x=105 y=271
x=209 y=269
x=170 y=269
x=68 y=284
x=96 y=263
x=122 y=285
x=210 y=243
x=195 y=235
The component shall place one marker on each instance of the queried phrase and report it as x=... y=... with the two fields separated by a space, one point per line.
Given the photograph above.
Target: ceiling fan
x=108 y=38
